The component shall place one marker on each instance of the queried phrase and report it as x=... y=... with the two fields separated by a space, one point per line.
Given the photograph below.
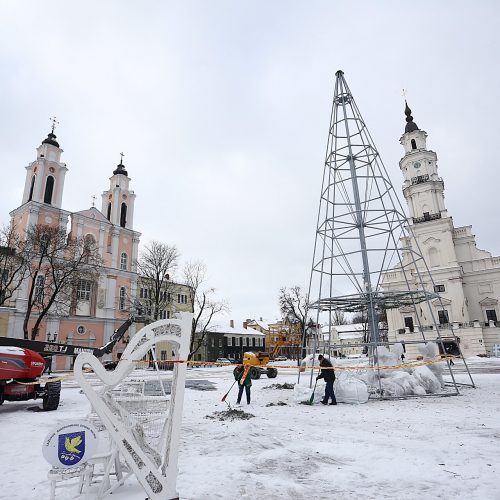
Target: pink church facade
x=104 y=305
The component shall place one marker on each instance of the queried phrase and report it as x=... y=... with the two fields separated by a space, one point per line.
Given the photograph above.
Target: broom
x=311 y=399
x=227 y=393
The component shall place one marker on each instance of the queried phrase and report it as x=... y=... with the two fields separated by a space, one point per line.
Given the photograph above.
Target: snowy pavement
x=413 y=449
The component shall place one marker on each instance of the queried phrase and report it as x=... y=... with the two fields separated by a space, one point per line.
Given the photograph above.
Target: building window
x=49 y=190
x=123 y=215
x=229 y=341
x=443 y=317
x=44 y=243
x=409 y=323
x=213 y=342
x=32 y=187
x=109 y=212
x=163 y=314
x=220 y=342
x=253 y=342
x=491 y=315
x=89 y=244
x=123 y=292
x=123 y=261
x=143 y=293
x=168 y=314
x=181 y=298
x=439 y=288
x=39 y=289
x=413 y=144
x=433 y=257
x=83 y=289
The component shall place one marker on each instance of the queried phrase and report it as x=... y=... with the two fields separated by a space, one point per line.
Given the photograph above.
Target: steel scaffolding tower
x=362 y=233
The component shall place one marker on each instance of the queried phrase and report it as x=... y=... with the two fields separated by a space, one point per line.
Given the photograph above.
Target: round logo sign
x=70 y=443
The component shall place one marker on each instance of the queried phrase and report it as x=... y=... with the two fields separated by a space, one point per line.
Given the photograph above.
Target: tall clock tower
x=423 y=189
x=430 y=223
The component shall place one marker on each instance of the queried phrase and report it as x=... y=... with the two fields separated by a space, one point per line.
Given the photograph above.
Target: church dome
x=411 y=126
x=51 y=139
x=120 y=169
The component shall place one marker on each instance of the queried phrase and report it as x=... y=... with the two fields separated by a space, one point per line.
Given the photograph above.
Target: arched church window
x=49 y=190
x=39 y=289
x=109 y=211
x=123 y=215
x=44 y=243
x=123 y=261
x=123 y=293
x=32 y=187
x=413 y=144
x=433 y=257
x=89 y=243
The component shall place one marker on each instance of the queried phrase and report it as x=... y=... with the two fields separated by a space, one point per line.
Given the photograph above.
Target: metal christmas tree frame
x=362 y=233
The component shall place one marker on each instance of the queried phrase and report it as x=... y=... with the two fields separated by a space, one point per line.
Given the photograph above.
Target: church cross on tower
x=54 y=122
x=121 y=158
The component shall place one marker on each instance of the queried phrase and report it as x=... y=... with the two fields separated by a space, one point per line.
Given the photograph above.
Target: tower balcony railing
x=426 y=217
x=420 y=179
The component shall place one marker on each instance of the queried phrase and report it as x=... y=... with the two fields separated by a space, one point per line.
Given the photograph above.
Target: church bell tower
x=45 y=176
x=423 y=189
x=118 y=200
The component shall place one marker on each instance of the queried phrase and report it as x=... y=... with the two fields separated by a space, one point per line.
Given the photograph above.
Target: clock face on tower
x=417 y=164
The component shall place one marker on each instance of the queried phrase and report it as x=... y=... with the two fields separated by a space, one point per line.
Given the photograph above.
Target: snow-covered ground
x=420 y=448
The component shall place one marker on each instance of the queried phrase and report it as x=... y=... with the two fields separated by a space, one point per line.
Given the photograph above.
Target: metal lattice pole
x=360 y=227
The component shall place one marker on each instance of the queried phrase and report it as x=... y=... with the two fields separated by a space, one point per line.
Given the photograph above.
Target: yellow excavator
x=258 y=360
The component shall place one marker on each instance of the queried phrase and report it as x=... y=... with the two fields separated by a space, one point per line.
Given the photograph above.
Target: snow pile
x=302 y=393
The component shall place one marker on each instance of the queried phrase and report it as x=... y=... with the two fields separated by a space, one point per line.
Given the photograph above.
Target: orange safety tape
x=413 y=364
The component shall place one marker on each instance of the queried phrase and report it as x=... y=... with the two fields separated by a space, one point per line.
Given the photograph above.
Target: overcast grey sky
x=222 y=110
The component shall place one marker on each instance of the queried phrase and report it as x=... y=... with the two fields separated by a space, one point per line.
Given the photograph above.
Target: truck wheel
x=272 y=373
x=52 y=395
x=254 y=373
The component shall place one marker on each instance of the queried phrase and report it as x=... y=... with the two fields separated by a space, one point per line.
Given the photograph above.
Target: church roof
x=120 y=169
x=92 y=213
x=51 y=139
x=411 y=126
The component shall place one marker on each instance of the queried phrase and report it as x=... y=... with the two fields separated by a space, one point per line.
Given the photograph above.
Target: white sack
x=427 y=379
x=350 y=390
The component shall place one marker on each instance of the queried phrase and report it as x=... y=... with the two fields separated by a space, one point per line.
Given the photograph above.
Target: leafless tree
x=204 y=305
x=293 y=307
x=156 y=266
x=61 y=266
x=13 y=265
x=338 y=317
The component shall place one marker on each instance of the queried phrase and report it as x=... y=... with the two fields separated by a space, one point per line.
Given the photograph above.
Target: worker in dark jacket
x=242 y=375
x=327 y=373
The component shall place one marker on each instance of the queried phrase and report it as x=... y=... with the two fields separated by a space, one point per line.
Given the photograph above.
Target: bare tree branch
x=13 y=265
x=59 y=264
x=205 y=307
x=156 y=267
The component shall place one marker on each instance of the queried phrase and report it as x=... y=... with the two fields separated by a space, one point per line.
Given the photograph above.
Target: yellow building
x=173 y=298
